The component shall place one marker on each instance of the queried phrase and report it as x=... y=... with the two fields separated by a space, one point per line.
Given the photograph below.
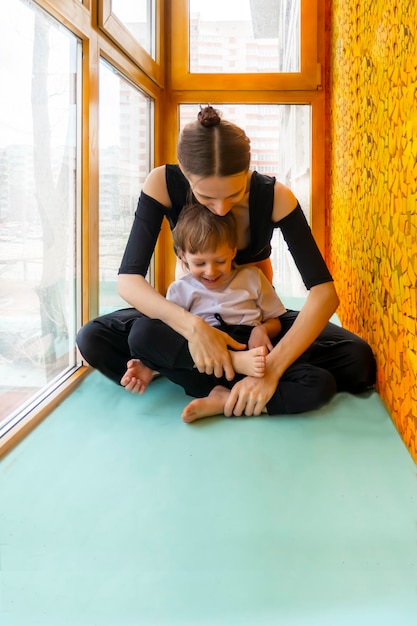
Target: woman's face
x=219 y=193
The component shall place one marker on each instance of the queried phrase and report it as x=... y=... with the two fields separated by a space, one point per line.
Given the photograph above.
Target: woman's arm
x=322 y=300
x=155 y=186
x=321 y=303
x=250 y=395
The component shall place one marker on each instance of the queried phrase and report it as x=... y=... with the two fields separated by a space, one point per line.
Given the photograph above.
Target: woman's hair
x=211 y=146
x=200 y=230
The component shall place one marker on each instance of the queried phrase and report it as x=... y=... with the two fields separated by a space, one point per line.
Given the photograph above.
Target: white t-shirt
x=246 y=297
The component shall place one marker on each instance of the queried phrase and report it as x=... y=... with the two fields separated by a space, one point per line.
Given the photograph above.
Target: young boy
x=239 y=301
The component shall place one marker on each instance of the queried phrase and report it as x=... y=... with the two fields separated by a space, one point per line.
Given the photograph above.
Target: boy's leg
x=161 y=348
x=158 y=346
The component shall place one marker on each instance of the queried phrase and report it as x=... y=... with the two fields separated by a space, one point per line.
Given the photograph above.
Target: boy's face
x=211 y=268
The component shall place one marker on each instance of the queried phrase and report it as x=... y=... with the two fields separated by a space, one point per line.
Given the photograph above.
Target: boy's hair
x=200 y=230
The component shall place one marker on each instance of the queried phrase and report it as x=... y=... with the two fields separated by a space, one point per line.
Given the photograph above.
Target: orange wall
x=372 y=134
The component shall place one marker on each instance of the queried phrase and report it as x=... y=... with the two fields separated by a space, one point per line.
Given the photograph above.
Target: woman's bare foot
x=213 y=404
x=137 y=376
x=250 y=362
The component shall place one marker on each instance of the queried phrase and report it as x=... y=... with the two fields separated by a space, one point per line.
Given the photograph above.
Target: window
x=248 y=36
x=125 y=132
x=133 y=25
x=138 y=17
x=39 y=206
x=245 y=44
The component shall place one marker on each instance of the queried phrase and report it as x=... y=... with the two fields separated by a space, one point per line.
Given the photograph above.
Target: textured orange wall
x=373 y=189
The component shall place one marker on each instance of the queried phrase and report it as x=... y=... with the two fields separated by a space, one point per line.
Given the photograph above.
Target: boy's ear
x=234 y=252
x=182 y=257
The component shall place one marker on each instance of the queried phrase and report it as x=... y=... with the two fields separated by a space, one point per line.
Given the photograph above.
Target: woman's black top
x=294 y=227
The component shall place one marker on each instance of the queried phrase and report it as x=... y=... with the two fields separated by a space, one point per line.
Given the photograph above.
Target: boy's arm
x=272 y=326
x=262 y=334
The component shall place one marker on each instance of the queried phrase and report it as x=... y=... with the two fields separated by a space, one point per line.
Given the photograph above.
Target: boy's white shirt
x=246 y=297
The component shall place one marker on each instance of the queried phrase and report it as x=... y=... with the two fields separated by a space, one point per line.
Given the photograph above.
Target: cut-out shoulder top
x=294 y=227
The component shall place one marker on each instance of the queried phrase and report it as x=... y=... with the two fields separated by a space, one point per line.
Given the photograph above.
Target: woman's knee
x=363 y=367
x=321 y=388
x=303 y=388
x=86 y=341
x=140 y=333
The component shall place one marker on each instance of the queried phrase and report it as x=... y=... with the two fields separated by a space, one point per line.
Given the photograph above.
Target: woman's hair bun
x=208 y=116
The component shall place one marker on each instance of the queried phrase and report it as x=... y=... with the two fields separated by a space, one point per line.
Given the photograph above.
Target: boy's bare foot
x=250 y=362
x=137 y=376
x=213 y=404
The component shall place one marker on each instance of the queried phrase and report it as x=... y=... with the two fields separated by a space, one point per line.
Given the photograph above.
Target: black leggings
x=337 y=361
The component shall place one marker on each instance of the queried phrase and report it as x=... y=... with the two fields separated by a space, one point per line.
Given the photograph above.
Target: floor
x=114 y=512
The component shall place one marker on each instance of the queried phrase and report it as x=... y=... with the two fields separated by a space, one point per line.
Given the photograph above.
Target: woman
x=214 y=157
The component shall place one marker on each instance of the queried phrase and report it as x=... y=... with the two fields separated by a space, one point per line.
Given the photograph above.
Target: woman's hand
x=208 y=347
x=250 y=395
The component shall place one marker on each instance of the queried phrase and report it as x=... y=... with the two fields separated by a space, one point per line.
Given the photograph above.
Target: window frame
x=131 y=75
x=308 y=78
x=110 y=24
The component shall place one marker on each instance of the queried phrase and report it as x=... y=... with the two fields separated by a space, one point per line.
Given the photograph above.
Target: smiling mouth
x=211 y=280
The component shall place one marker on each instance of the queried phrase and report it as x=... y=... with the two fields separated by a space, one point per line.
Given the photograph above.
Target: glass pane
x=280 y=137
x=38 y=204
x=125 y=161
x=138 y=17
x=245 y=36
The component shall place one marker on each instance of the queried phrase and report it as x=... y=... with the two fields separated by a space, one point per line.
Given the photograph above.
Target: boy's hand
x=259 y=337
